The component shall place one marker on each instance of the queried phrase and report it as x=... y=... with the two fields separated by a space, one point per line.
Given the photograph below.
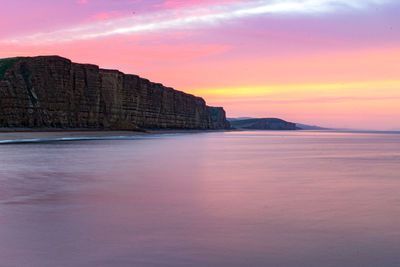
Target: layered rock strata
x=53 y=92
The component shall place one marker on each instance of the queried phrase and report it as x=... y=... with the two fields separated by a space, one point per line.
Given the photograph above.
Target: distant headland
x=262 y=124
x=269 y=124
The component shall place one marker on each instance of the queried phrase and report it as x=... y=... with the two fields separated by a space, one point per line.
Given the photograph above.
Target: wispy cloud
x=193 y=17
x=318 y=100
x=389 y=86
x=173 y=4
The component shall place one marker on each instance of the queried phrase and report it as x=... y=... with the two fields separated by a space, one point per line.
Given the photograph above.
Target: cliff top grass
x=5 y=64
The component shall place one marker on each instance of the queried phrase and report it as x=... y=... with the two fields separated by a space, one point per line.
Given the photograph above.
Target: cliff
x=53 y=92
x=264 y=124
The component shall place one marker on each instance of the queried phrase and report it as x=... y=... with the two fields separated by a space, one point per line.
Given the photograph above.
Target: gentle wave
x=84 y=138
x=42 y=140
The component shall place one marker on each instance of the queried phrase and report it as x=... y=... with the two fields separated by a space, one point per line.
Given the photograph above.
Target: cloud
x=82 y=2
x=194 y=17
x=173 y=4
x=285 y=92
x=312 y=100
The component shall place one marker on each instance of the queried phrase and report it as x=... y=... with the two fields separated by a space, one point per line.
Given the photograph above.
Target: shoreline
x=27 y=135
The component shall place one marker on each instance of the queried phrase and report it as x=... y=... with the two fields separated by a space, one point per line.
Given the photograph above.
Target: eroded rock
x=50 y=91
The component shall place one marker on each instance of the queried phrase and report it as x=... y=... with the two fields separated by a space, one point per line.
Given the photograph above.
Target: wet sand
x=10 y=135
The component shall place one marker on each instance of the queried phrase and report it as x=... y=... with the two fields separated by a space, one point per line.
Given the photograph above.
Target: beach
x=26 y=135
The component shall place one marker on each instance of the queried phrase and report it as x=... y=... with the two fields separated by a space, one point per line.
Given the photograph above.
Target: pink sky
x=332 y=63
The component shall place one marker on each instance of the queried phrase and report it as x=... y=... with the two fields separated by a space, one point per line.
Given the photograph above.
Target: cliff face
x=54 y=92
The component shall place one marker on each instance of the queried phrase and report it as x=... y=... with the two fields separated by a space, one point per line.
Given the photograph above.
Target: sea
x=240 y=198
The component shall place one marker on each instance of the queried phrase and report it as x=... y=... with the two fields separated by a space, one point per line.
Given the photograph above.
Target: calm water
x=208 y=199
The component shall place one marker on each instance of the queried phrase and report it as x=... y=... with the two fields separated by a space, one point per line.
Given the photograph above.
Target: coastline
x=27 y=135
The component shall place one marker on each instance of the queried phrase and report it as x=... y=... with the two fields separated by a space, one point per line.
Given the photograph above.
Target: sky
x=333 y=63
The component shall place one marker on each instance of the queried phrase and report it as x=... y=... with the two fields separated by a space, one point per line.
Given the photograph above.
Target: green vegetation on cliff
x=5 y=64
x=244 y=123
x=263 y=124
x=214 y=113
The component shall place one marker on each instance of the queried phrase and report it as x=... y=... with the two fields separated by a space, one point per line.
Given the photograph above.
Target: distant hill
x=263 y=124
x=310 y=127
x=239 y=119
x=250 y=120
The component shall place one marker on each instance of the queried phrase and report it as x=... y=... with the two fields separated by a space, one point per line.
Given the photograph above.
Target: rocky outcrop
x=264 y=124
x=52 y=91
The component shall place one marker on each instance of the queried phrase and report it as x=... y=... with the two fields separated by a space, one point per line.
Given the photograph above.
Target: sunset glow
x=335 y=63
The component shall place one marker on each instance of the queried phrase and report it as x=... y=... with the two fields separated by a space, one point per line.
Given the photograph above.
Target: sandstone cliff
x=50 y=91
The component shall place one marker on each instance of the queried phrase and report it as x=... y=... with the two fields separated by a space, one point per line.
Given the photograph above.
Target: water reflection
x=215 y=199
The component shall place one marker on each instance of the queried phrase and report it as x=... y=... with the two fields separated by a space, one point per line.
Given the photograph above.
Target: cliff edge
x=53 y=92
